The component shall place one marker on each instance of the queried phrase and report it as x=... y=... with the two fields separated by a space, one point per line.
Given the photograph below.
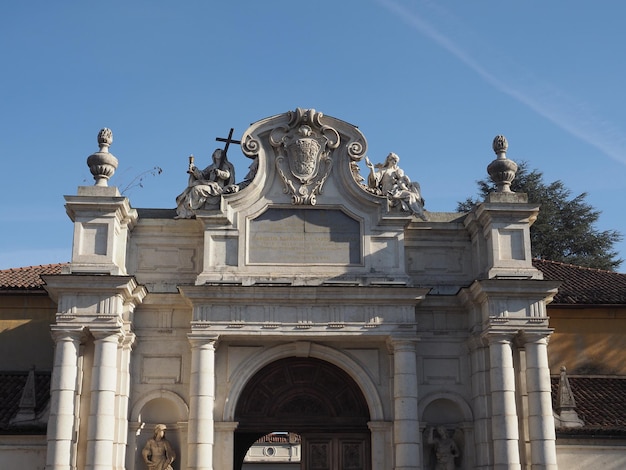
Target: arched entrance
x=310 y=397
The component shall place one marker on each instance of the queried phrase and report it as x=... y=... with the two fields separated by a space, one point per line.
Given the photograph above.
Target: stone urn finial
x=102 y=164
x=502 y=170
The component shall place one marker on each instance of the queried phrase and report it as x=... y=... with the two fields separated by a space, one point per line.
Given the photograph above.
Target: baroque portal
x=307 y=299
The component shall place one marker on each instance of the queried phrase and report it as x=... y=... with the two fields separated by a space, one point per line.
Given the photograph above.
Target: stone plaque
x=161 y=369
x=304 y=236
x=441 y=370
x=94 y=239
x=511 y=244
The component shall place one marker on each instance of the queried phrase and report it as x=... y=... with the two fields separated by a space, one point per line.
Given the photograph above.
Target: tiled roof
x=28 y=277
x=584 y=286
x=11 y=387
x=600 y=404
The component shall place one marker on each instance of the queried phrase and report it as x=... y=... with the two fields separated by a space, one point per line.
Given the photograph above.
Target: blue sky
x=433 y=81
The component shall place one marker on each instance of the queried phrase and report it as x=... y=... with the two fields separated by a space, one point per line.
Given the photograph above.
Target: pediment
x=304 y=158
x=305 y=204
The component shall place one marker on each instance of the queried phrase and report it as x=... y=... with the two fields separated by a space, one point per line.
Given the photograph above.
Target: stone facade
x=304 y=300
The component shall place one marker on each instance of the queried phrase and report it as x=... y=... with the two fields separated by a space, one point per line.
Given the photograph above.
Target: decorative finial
x=102 y=164
x=500 y=146
x=502 y=170
x=105 y=139
x=566 y=404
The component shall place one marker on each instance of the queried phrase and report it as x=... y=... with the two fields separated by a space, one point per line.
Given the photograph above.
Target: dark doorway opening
x=310 y=397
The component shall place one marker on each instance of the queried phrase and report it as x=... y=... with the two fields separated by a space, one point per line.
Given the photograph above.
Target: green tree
x=565 y=227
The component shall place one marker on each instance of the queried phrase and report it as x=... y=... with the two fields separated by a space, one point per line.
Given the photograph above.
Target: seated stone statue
x=388 y=179
x=206 y=186
x=409 y=194
x=158 y=453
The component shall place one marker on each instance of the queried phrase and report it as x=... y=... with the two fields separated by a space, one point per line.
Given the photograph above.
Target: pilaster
x=481 y=401
x=381 y=440
x=225 y=435
x=122 y=398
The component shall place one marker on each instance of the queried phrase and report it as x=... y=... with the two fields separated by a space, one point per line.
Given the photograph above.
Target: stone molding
x=91 y=300
x=307 y=310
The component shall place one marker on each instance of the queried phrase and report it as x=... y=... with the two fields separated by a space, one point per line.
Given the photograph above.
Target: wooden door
x=348 y=451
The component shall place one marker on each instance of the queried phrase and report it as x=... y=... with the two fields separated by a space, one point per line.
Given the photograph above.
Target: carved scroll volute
x=250 y=146
x=304 y=148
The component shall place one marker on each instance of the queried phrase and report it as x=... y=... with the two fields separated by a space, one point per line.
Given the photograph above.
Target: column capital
x=108 y=334
x=225 y=426
x=475 y=342
x=399 y=344
x=128 y=340
x=199 y=339
x=67 y=334
x=502 y=337
x=380 y=426
x=539 y=337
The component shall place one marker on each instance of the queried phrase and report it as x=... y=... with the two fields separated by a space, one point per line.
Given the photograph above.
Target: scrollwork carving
x=304 y=148
x=356 y=151
x=250 y=146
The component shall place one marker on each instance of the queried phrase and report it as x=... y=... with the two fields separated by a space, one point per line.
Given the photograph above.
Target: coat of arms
x=304 y=154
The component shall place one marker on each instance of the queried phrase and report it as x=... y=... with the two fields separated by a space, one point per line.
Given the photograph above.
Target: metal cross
x=229 y=140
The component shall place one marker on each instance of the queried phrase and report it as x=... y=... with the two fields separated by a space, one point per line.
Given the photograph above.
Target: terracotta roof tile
x=11 y=387
x=600 y=403
x=584 y=286
x=28 y=277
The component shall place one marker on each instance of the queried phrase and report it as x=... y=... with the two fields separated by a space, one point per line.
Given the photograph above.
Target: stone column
x=104 y=379
x=406 y=435
x=504 y=422
x=479 y=370
x=131 y=452
x=61 y=424
x=122 y=397
x=201 y=402
x=540 y=415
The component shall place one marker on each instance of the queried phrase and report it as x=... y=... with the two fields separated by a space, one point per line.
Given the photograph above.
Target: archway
x=310 y=397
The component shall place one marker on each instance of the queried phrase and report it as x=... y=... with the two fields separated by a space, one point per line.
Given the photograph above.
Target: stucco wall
x=574 y=456
x=23 y=452
x=25 y=339
x=588 y=341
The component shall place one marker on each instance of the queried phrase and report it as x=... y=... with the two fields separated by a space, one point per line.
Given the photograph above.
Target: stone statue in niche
x=206 y=186
x=388 y=179
x=158 y=453
x=445 y=448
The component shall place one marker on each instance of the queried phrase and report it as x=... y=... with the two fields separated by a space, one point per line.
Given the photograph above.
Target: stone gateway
x=307 y=300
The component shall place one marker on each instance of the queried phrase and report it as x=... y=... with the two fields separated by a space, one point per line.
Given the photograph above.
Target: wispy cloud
x=570 y=114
